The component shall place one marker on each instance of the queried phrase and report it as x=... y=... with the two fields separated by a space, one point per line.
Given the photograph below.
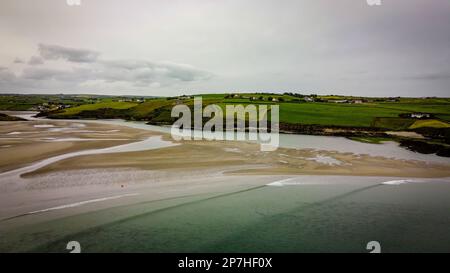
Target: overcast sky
x=168 y=47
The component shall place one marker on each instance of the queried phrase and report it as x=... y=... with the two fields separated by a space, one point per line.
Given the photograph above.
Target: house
x=184 y=97
x=40 y=108
x=420 y=115
x=309 y=99
x=357 y=101
x=274 y=99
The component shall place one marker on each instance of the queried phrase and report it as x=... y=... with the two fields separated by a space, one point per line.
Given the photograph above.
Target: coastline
x=112 y=133
x=104 y=189
x=421 y=140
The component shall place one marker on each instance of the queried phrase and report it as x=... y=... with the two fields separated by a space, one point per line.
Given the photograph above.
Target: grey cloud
x=137 y=73
x=401 y=45
x=73 y=76
x=435 y=76
x=149 y=72
x=36 y=60
x=55 y=52
x=41 y=73
x=125 y=64
x=185 y=72
x=6 y=75
x=18 y=61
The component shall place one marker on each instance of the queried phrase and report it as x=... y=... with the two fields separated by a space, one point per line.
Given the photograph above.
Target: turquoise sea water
x=411 y=217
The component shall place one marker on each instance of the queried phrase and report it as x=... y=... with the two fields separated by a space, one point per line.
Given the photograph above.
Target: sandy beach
x=25 y=142
x=248 y=159
x=33 y=195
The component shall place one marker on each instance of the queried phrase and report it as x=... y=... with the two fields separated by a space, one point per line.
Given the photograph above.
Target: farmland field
x=375 y=112
x=429 y=123
x=90 y=107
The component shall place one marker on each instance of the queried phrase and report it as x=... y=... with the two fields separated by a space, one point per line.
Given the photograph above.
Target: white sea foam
x=57 y=129
x=410 y=181
x=82 y=203
x=78 y=125
x=43 y=125
x=326 y=160
x=232 y=150
x=79 y=139
x=399 y=182
x=285 y=182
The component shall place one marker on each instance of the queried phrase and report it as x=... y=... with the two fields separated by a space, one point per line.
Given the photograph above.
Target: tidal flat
x=126 y=189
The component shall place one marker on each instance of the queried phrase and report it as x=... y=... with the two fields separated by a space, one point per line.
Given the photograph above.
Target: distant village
x=58 y=105
x=308 y=98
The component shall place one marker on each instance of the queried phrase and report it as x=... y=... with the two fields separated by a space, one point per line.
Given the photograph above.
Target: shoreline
x=105 y=189
x=407 y=140
x=225 y=158
x=137 y=128
x=420 y=141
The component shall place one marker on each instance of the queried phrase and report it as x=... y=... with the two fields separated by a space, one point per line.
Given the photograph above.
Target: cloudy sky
x=169 y=47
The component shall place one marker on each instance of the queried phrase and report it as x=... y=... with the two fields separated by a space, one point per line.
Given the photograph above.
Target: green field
x=333 y=114
x=440 y=110
x=429 y=123
x=374 y=112
x=96 y=106
x=393 y=123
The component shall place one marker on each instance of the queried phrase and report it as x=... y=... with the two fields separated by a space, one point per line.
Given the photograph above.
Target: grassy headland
x=5 y=117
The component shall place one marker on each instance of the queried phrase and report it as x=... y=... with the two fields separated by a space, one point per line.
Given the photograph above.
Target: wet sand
x=97 y=189
x=88 y=176
x=248 y=159
x=22 y=143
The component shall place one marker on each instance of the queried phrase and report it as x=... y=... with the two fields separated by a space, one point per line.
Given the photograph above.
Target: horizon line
x=201 y=94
